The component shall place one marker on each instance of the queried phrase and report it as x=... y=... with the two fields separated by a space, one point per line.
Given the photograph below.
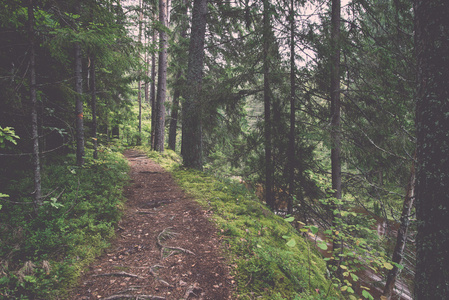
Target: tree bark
x=174 y=115
x=93 y=93
x=153 y=92
x=147 y=71
x=139 y=83
x=269 y=168
x=401 y=239
x=192 y=139
x=33 y=98
x=79 y=99
x=432 y=172
x=161 y=82
x=335 y=118
x=335 y=100
x=291 y=137
x=175 y=105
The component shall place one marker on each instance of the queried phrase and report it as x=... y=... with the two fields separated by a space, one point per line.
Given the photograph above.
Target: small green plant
x=360 y=250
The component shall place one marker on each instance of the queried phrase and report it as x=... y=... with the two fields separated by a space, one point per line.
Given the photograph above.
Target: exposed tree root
x=164 y=282
x=165 y=235
x=180 y=249
x=194 y=290
x=141 y=212
x=131 y=289
x=156 y=276
x=137 y=297
x=121 y=274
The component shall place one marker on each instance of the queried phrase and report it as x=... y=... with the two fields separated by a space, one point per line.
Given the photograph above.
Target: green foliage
x=254 y=239
x=43 y=255
x=362 y=247
x=7 y=134
x=361 y=250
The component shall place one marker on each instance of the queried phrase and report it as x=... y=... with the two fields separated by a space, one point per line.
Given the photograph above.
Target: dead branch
x=15 y=202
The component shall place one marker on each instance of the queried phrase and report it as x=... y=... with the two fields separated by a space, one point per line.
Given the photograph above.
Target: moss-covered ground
x=43 y=253
x=255 y=239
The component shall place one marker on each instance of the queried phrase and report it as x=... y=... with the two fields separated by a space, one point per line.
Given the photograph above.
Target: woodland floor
x=165 y=246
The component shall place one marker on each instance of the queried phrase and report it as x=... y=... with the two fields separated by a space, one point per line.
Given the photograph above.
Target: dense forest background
x=311 y=104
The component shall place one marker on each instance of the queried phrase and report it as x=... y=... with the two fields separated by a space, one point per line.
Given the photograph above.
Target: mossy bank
x=41 y=255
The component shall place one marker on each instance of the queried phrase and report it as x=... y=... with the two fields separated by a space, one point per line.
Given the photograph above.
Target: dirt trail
x=165 y=248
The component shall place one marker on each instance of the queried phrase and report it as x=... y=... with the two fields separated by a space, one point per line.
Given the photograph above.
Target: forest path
x=165 y=246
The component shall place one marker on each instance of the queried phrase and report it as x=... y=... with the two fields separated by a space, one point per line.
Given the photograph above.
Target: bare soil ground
x=166 y=248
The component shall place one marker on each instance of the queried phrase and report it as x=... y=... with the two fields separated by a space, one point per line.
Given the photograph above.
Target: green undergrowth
x=255 y=239
x=41 y=256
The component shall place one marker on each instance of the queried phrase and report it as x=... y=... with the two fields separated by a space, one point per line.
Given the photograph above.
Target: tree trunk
x=335 y=100
x=147 y=60
x=175 y=105
x=192 y=139
x=161 y=82
x=291 y=137
x=93 y=93
x=335 y=119
x=401 y=239
x=174 y=115
x=269 y=170
x=147 y=71
x=139 y=83
x=33 y=98
x=153 y=92
x=432 y=172
x=79 y=99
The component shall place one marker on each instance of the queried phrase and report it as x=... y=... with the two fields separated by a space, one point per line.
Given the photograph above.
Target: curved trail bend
x=165 y=246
